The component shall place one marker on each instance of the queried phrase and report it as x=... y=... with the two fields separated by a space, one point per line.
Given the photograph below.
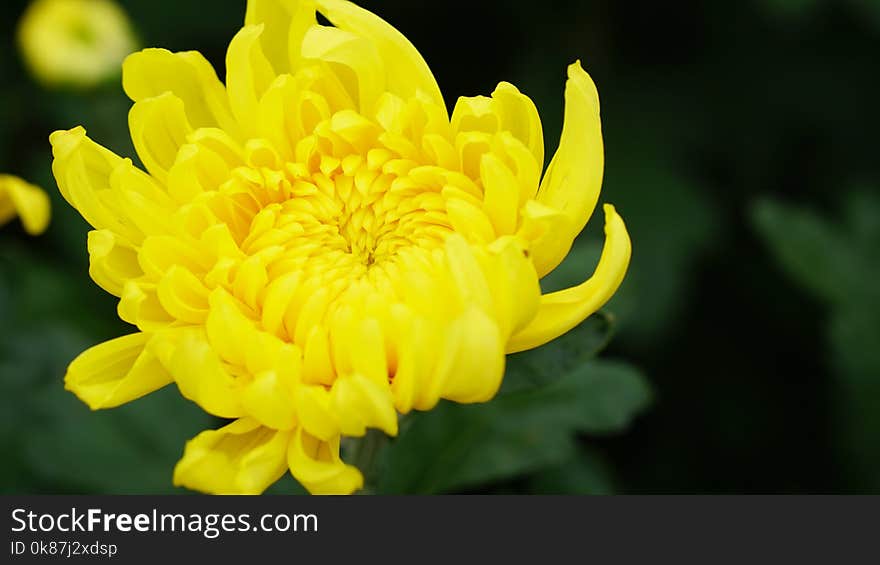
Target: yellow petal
x=501 y=200
x=229 y=330
x=248 y=76
x=314 y=410
x=470 y=221
x=361 y=403
x=159 y=128
x=476 y=113
x=317 y=361
x=240 y=458
x=139 y=305
x=203 y=164
x=28 y=201
x=317 y=466
x=473 y=359
x=353 y=59
x=116 y=372
x=111 y=261
x=270 y=399
x=548 y=232
x=574 y=177
x=183 y=295
x=563 y=310
x=513 y=285
x=202 y=377
x=520 y=117
x=189 y=77
x=406 y=70
x=285 y=23
x=466 y=273
x=82 y=169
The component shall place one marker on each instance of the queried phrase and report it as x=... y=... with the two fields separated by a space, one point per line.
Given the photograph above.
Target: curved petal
x=361 y=402
x=248 y=75
x=202 y=377
x=354 y=60
x=116 y=372
x=317 y=466
x=563 y=310
x=82 y=169
x=28 y=201
x=285 y=24
x=473 y=359
x=520 y=117
x=111 y=262
x=187 y=75
x=574 y=177
x=240 y=458
x=407 y=72
x=159 y=127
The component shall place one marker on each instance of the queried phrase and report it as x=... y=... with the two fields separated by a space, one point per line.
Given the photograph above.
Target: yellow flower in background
x=75 y=42
x=22 y=199
x=318 y=247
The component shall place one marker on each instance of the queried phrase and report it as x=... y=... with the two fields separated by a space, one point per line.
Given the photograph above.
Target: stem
x=366 y=453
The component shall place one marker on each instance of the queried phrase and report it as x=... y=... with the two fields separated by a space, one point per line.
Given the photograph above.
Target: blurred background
x=742 y=354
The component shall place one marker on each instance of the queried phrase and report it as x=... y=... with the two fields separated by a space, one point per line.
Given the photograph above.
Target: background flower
x=29 y=202
x=75 y=42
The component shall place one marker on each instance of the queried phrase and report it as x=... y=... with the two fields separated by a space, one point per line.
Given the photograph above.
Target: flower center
x=343 y=218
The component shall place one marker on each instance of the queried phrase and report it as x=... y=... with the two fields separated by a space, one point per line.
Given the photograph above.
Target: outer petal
x=359 y=55
x=159 y=127
x=520 y=117
x=473 y=359
x=563 y=310
x=111 y=262
x=241 y=458
x=202 y=377
x=82 y=169
x=116 y=372
x=407 y=71
x=187 y=75
x=574 y=177
x=28 y=201
x=248 y=75
x=317 y=466
x=361 y=403
x=285 y=23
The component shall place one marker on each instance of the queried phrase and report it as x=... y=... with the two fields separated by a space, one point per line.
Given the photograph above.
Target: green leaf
x=838 y=263
x=816 y=254
x=552 y=361
x=457 y=446
x=127 y=450
x=585 y=473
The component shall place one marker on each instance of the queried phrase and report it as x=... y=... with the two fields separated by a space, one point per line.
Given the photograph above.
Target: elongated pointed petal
x=240 y=458
x=29 y=202
x=407 y=71
x=574 y=177
x=520 y=117
x=116 y=372
x=248 y=76
x=563 y=310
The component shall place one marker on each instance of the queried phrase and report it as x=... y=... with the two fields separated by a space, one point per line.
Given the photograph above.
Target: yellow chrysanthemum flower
x=75 y=42
x=28 y=202
x=318 y=247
